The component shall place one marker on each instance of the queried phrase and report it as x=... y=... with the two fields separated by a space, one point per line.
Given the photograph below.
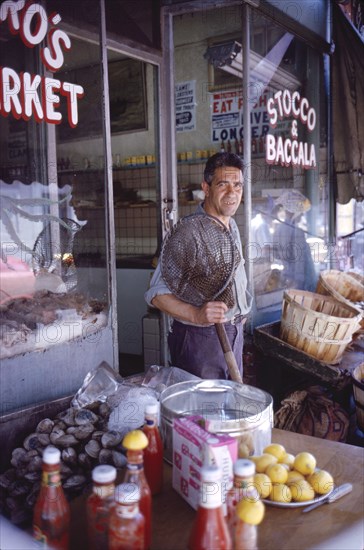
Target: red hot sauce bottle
x=127 y=524
x=210 y=528
x=98 y=506
x=51 y=518
x=153 y=454
x=135 y=442
x=243 y=485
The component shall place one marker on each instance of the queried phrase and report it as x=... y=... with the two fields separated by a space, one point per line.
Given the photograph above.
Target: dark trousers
x=198 y=350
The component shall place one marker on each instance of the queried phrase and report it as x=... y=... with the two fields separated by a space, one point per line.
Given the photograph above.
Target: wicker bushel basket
x=318 y=325
x=347 y=287
x=357 y=377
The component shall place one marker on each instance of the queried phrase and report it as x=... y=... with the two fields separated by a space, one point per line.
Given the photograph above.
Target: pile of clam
x=84 y=441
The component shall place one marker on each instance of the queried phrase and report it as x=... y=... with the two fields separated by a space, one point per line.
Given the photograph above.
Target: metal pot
x=227 y=407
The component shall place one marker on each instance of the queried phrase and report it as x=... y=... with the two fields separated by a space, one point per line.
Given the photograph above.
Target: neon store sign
x=27 y=95
x=290 y=151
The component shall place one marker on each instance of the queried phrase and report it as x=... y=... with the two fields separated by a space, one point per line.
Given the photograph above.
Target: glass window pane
x=288 y=166
x=53 y=265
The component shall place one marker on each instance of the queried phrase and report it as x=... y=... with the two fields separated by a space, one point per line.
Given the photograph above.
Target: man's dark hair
x=217 y=161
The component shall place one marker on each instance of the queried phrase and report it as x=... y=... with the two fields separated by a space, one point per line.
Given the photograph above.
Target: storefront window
x=53 y=241
x=288 y=161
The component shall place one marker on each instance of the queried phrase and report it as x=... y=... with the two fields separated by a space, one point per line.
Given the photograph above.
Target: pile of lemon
x=283 y=477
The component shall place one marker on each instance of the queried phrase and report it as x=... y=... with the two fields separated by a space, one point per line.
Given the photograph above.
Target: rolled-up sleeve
x=157 y=286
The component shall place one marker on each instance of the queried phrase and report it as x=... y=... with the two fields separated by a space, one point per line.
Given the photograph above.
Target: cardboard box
x=192 y=447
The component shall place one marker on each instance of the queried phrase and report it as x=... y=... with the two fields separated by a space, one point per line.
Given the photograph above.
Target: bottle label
x=211 y=494
x=104 y=491
x=51 y=479
x=39 y=536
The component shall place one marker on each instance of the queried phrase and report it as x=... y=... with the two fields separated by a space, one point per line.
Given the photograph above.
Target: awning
x=348 y=108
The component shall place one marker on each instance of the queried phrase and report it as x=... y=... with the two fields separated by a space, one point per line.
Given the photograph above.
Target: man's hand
x=208 y=314
x=211 y=313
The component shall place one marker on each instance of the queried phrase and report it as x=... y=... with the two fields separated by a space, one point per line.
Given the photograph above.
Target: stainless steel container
x=238 y=410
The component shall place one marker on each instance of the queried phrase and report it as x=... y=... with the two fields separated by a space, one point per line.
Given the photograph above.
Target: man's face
x=223 y=196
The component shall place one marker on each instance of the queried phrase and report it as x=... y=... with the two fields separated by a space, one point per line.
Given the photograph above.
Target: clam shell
x=92 y=448
x=18 y=457
x=105 y=456
x=19 y=488
x=74 y=482
x=83 y=432
x=45 y=426
x=85 y=416
x=32 y=476
x=67 y=440
x=84 y=460
x=67 y=416
x=30 y=455
x=119 y=459
x=71 y=430
x=111 y=439
x=56 y=433
x=7 y=478
x=104 y=410
x=44 y=439
x=69 y=455
x=60 y=424
x=97 y=435
x=31 y=442
x=66 y=471
x=33 y=495
x=35 y=465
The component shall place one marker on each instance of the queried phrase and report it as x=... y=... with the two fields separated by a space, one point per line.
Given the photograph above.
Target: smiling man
x=193 y=342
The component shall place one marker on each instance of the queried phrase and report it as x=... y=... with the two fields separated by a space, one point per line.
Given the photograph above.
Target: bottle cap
x=210 y=473
x=152 y=407
x=127 y=493
x=104 y=473
x=244 y=467
x=51 y=455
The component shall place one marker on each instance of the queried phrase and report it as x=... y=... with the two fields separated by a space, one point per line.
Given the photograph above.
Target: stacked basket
x=346 y=287
x=318 y=325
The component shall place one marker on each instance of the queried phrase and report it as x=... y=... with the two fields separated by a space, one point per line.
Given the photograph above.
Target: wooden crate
x=269 y=343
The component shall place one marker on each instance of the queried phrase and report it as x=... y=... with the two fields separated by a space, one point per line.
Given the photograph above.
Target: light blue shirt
x=242 y=297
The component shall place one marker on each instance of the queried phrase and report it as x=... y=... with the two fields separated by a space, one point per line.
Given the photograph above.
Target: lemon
x=250 y=512
x=293 y=476
x=321 y=481
x=136 y=440
x=275 y=449
x=301 y=491
x=280 y=493
x=263 y=461
x=305 y=463
x=287 y=459
x=277 y=473
x=263 y=484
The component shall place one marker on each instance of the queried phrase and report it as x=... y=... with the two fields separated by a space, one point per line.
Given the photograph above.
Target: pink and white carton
x=194 y=446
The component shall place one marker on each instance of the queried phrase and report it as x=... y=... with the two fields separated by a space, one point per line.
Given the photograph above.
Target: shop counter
x=338 y=526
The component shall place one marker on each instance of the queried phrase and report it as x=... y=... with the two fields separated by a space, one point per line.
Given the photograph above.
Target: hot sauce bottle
x=127 y=524
x=51 y=516
x=153 y=454
x=249 y=513
x=135 y=442
x=98 y=506
x=243 y=485
x=210 y=528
